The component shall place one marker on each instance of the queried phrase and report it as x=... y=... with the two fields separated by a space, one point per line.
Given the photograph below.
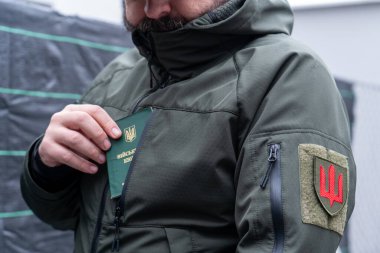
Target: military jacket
x=247 y=148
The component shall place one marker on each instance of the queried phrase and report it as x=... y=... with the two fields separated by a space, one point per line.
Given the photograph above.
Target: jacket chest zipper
x=98 y=225
x=120 y=202
x=119 y=210
x=160 y=85
x=151 y=91
x=273 y=177
x=116 y=241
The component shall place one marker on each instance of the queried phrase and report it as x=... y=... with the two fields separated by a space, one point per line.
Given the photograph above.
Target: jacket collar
x=185 y=52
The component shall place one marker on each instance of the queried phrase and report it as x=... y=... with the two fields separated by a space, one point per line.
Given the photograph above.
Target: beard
x=164 y=24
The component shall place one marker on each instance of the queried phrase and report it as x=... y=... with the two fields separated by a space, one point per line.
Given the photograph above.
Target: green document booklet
x=122 y=151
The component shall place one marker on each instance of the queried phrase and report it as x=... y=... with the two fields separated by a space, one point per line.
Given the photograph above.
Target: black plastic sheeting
x=43 y=51
x=46 y=61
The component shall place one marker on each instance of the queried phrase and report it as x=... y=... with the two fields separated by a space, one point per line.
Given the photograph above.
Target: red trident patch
x=331 y=185
x=330 y=194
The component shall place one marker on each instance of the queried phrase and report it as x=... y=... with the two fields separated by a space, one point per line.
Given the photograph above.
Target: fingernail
x=102 y=158
x=93 y=169
x=116 y=132
x=107 y=144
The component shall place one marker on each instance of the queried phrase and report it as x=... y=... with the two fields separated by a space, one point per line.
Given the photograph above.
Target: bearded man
x=244 y=144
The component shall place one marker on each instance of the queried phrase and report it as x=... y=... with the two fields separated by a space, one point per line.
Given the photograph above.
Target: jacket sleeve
x=59 y=208
x=295 y=183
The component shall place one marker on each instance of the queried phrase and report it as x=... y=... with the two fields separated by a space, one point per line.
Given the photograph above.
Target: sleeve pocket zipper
x=273 y=177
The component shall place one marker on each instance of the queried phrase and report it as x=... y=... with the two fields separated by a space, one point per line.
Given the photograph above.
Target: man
x=247 y=148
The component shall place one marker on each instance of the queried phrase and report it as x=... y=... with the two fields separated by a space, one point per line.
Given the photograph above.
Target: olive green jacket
x=231 y=158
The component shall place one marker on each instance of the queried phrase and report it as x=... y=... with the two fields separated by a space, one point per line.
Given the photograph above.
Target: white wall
x=106 y=10
x=347 y=38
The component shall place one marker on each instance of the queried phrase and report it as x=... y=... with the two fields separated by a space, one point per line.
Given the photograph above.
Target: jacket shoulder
x=285 y=86
x=119 y=66
x=275 y=50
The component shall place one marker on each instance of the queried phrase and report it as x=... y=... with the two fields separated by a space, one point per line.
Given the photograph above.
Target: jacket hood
x=183 y=53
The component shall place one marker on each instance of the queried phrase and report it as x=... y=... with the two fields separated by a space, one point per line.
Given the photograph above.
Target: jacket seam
x=110 y=106
x=190 y=110
x=237 y=69
x=103 y=81
x=237 y=124
x=109 y=224
x=238 y=72
x=168 y=108
x=302 y=130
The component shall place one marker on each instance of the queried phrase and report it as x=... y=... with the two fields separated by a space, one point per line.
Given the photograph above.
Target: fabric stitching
x=111 y=106
x=103 y=81
x=189 y=110
x=299 y=131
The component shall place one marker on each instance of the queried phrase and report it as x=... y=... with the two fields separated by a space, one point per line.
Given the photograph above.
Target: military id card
x=122 y=151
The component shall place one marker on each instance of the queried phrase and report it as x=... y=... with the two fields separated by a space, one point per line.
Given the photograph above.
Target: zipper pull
x=272 y=160
x=116 y=240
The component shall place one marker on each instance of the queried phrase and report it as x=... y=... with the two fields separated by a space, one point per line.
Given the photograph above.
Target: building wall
x=346 y=37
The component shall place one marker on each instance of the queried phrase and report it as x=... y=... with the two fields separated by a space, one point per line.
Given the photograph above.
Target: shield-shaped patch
x=331 y=185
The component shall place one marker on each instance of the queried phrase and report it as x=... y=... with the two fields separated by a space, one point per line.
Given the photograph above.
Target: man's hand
x=78 y=135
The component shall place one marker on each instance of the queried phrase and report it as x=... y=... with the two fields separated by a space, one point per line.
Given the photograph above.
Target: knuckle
x=47 y=146
x=83 y=165
x=100 y=135
x=67 y=157
x=44 y=151
x=48 y=135
x=109 y=124
x=53 y=135
x=56 y=117
x=81 y=116
x=96 y=110
x=69 y=107
x=94 y=154
x=75 y=139
x=48 y=157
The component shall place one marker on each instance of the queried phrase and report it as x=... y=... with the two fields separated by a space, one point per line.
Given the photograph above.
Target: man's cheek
x=134 y=12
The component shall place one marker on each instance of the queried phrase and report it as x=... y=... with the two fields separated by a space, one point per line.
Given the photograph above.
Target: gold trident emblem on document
x=130 y=133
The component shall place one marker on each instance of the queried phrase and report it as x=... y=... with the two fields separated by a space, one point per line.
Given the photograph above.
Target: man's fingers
x=101 y=116
x=65 y=156
x=88 y=126
x=76 y=136
x=81 y=145
x=75 y=161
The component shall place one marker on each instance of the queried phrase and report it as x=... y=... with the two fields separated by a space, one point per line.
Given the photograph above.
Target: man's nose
x=156 y=9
